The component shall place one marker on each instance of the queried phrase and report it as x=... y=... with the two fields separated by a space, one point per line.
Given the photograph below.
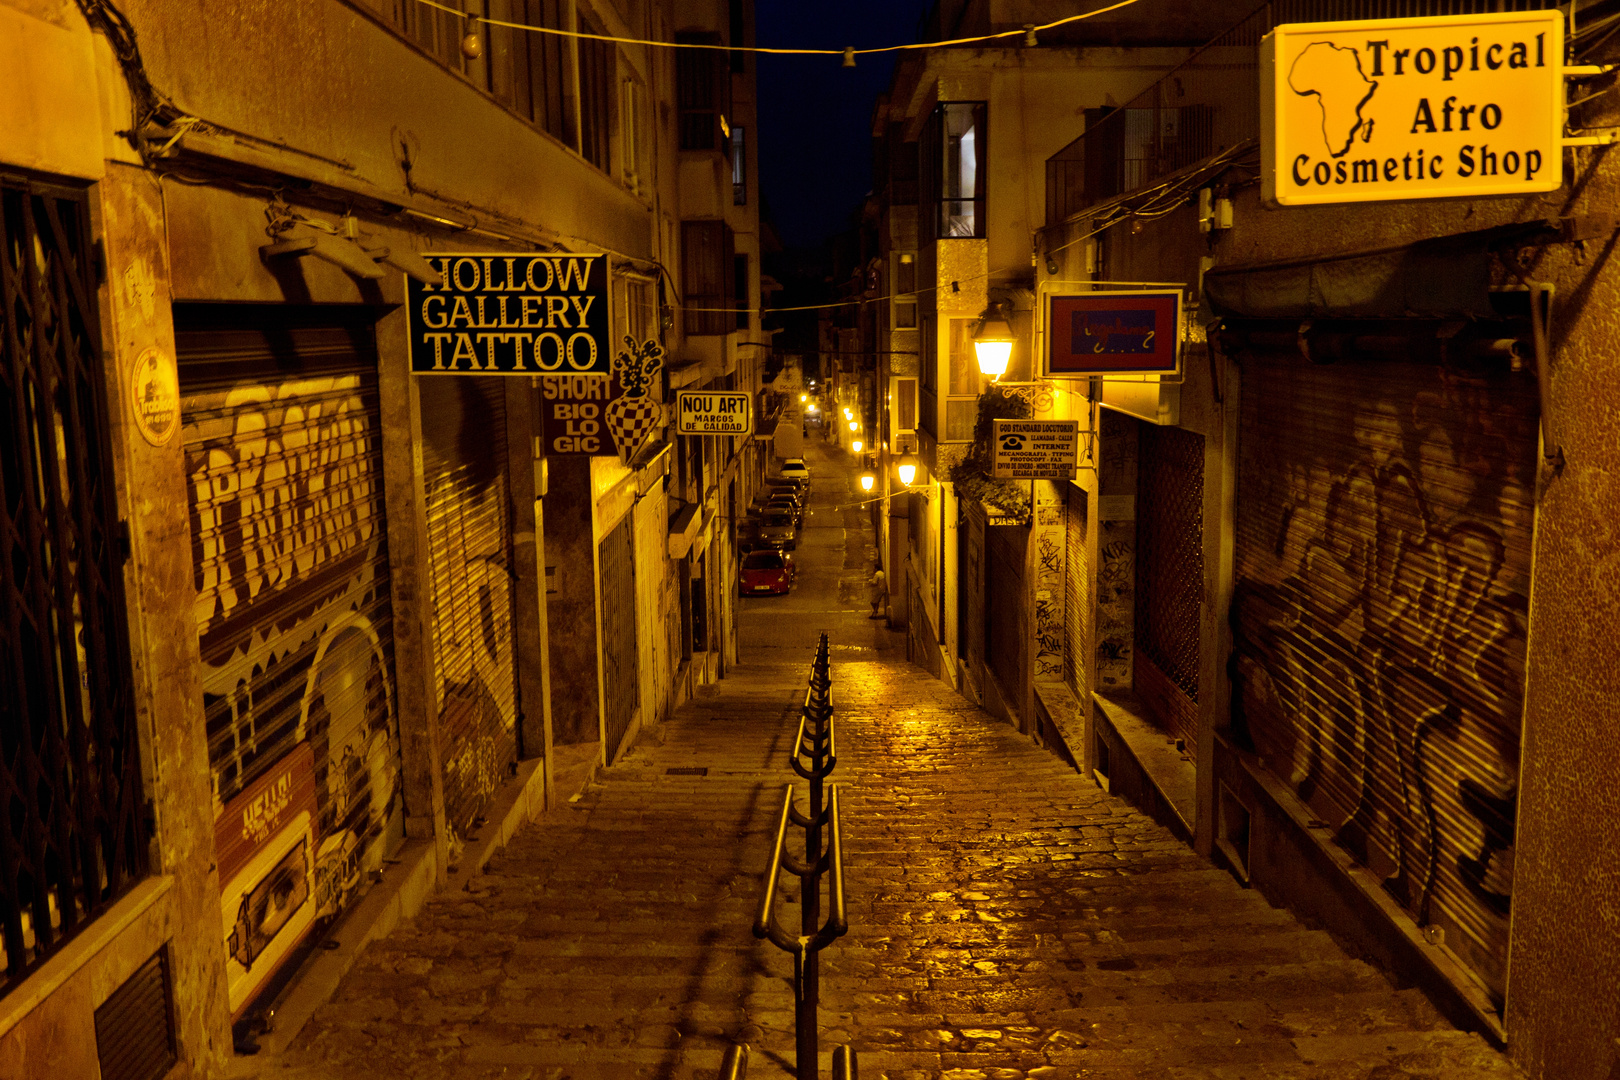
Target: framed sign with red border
x=1112 y=333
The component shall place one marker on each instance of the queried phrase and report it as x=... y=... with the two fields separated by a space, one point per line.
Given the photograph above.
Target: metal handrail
x=844 y=1067
x=735 y=1064
x=832 y=863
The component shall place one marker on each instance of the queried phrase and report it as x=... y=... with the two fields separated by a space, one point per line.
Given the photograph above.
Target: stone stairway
x=1007 y=919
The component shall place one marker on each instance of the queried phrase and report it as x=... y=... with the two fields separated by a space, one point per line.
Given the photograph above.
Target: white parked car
x=794 y=469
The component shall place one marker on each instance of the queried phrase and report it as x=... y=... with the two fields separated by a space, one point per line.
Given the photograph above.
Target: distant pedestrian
x=879 y=594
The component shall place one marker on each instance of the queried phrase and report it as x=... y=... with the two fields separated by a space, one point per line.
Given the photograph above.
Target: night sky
x=814 y=115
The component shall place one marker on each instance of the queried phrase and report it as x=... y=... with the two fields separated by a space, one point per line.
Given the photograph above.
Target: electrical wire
x=774 y=51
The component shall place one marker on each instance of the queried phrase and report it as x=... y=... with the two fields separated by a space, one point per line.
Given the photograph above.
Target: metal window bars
x=815 y=754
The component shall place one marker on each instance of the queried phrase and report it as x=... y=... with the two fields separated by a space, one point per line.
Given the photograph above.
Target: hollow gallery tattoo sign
x=1454 y=106
x=495 y=313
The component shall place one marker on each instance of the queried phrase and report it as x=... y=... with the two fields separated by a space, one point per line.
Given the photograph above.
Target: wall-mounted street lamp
x=907 y=470
x=854 y=425
x=804 y=397
x=867 y=481
x=993 y=341
x=855 y=446
x=848 y=415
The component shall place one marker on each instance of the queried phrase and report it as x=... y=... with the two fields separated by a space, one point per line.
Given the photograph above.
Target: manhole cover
x=687 y=771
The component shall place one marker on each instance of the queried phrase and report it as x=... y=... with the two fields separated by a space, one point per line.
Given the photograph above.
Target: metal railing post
x=816 y=741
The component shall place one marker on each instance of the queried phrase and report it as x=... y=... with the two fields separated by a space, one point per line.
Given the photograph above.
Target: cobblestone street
x=1008 y=919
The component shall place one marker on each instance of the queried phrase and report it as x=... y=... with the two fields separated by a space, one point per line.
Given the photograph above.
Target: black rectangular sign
x=501 y=314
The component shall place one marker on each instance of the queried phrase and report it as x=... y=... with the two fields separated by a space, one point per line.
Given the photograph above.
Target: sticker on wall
x=154 y=395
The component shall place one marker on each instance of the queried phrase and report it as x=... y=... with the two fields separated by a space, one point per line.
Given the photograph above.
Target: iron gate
x=73 y=839
x=1169 y=574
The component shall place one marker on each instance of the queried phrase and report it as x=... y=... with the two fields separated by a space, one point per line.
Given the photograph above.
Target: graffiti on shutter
x=1383 y=558
x=621 y=685
x=290 y=561
x=469 y=544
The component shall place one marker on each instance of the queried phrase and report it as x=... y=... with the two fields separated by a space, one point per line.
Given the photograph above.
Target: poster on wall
x=592 y=416
x=1112 y=333
x=496 y=313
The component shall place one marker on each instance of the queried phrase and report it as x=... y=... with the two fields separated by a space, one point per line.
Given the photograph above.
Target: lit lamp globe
x=867 y=481
x=855 y=446
x=848 y=415
x=993 y=342
x=804 y=397
x=907 y=470
x=854 y=425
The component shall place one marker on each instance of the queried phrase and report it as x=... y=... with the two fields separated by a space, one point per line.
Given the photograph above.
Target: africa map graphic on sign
x=1334 y=77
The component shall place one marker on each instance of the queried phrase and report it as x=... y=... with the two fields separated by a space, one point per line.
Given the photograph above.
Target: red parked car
x=766 y=571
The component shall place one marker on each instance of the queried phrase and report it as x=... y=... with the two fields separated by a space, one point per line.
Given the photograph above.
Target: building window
x=739 y=167
x=956 y=150
x=598 y=64
x=928 y=367
x=745 y=314
x=531 y=74
x=708 y=270
x=905 y=291
x=962 y=405
x=702 y=91
x=739 y=36
x=902 y=405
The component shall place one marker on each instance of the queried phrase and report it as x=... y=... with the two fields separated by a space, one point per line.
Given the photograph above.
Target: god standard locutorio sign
x=1461 y=105
x=500 y=314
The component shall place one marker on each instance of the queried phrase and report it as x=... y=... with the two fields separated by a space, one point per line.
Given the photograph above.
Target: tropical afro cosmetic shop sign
x=1446 y=107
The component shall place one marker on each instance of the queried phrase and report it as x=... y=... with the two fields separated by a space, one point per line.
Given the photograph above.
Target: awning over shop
x=1446 y=277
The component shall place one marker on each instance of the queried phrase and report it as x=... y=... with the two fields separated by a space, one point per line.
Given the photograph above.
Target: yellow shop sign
x=1455 y=106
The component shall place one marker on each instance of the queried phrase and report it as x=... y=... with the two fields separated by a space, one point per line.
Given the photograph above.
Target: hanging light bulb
x=472 y=46
x=993 y=341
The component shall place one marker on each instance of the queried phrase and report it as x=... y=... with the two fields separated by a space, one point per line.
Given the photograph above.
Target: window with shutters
x=708 y=272
x=928 y=368
x=702 y=91
x=634 y=139
x=745 y=315
x=962 y=402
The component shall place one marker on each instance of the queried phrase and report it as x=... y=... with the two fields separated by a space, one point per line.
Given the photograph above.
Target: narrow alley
x=1007 y=918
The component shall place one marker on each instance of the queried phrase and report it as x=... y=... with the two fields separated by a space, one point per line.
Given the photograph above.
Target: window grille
x=1170 y=552
x=73 y=838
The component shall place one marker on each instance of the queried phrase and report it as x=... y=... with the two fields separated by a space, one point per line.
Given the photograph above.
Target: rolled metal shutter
x=1005 y=633
x=469 y=555
x=294 y=613
x=1076 y=616
x=1383 y=559
x=1169 y=575
x=621 y=685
